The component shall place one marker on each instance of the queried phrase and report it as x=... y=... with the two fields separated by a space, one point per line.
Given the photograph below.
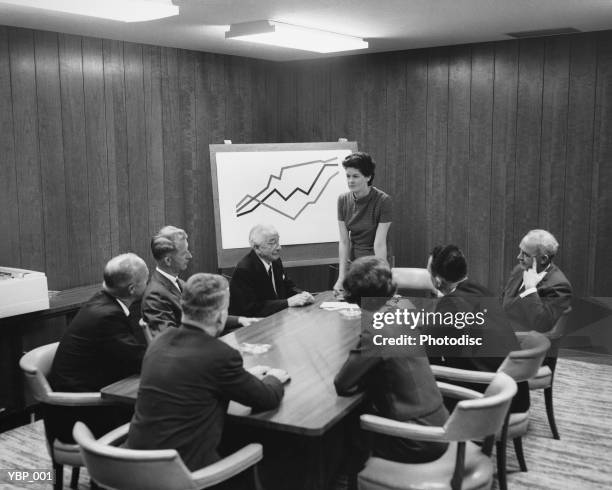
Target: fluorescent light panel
x=122 y=10
x=296 y=37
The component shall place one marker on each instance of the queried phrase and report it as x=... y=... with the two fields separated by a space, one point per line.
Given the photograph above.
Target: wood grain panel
x=136 y=149
x=232 y=75
x=528 y=124
x=287 y=107
x=502 y=244
x=9 y=212
x=187 y=110
x=375 y=138
x=117 y=147
x=173 y=172
x=306 y=113
x=554 y=135
x=154 y=137
x=395 y=150
x=458 y=149
x=602 y=156
x=479 y=173
x=27 y=163
x=51 y=156
x=437 y=145
x=210 y=123
x=97 y=164
x=578 y=190
x=75 y=154
x=415 y=225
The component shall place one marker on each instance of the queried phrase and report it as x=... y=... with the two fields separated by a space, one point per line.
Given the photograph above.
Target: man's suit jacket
x=98 y=348
x=161 y=305
x=251 y=291
x=497 y=334
x=539 y=311
x=187 y=381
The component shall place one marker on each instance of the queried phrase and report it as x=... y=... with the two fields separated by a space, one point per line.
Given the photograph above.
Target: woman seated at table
x=398 y=385
x=364 y=215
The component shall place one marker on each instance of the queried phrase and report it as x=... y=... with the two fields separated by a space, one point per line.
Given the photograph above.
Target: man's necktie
x=178 y=285
x=272 y=279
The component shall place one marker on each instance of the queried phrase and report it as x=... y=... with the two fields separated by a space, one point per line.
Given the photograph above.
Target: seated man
x=400 y=387
x=189 y=376
x=537 y=292
x=161 y=307
x=259 y=286
x=98 y=349
x=448 y=270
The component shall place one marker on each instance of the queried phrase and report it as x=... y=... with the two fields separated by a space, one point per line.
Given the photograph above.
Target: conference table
x=311 y=344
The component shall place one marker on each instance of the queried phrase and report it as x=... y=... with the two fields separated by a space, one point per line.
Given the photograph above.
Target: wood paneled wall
x=102 y=142
x=477 y=144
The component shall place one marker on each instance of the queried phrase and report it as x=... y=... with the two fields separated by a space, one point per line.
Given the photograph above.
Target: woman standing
x=364 y=215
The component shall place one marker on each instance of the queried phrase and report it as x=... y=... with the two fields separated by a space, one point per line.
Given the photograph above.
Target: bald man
x=259 y=285
x=99 y=348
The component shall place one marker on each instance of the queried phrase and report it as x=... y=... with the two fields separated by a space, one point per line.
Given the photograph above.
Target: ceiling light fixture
x=296 y=37
x=122 y=10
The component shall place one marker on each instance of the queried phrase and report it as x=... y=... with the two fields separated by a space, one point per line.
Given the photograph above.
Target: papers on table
x=247 y=348
x=339 y=305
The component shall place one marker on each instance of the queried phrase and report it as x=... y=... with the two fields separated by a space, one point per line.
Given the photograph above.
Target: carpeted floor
x=580 y=460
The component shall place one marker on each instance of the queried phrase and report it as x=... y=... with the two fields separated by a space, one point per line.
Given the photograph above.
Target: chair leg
x=74 y=479
x=548 y=401
x=58 y=483
x=500 y=447
x=256 y=481
x=518 y=449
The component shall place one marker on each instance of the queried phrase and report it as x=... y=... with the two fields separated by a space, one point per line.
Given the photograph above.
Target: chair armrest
x=408 y=430
x=229 y=466
x=465 y=375
x=116 y=436
x=74 y=399
x=459 y=392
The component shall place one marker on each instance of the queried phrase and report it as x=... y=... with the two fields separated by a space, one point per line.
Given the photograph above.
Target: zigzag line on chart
x=248 y=199
x=301 y=209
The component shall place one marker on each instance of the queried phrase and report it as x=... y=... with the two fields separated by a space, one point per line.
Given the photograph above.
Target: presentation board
x=293 y=186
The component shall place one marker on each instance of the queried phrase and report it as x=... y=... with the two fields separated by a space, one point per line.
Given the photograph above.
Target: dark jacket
x=161 y=305
x=97 y=349
x=539 y=311
x=251 y=291
x=187 y=381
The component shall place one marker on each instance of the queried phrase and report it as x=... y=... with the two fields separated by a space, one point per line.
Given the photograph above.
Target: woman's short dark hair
x=368 y=277
x=362 y=162
x=448 y=262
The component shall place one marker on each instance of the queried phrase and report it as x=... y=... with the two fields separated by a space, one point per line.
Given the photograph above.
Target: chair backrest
x=36 y=366
x=523 y=364
x=130 y=469
x=481 y=417
x=561 y=327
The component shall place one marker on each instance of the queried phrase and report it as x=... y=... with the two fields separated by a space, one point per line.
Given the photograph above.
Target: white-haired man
x=189 y=376
x=161 y=307
x=259 y=285
x=99 y=348
x=538 y=292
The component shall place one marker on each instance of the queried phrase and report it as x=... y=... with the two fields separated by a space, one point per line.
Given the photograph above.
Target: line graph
x=250 y=203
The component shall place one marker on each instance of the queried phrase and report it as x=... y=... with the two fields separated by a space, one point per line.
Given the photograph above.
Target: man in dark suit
x=460 y=295
x=99 y=348
x=189 y=376
x=537 y=292
x=161 y=307
x=259 y=285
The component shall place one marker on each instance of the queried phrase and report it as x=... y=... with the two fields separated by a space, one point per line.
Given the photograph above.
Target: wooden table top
x=311 y=344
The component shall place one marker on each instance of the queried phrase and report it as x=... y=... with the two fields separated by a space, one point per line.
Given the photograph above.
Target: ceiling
x=388 y=25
